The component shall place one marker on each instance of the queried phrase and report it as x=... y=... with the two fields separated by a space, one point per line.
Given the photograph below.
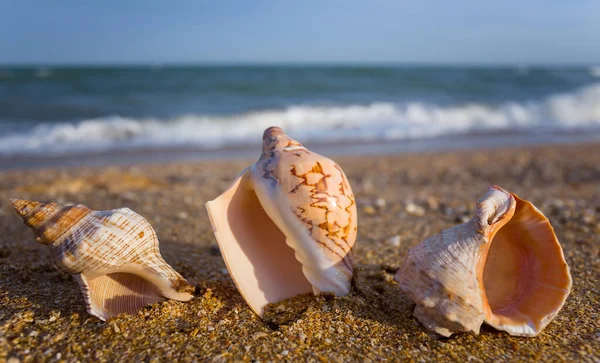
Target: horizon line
x=101 y=64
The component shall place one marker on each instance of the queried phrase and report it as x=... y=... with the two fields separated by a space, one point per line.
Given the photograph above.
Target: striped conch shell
x=505 y=267
x=287 y=224
x=113 y=255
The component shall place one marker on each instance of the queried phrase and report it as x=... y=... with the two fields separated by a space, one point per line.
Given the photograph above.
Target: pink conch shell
x=287 y=224
x=505 y=267
x=113 y=255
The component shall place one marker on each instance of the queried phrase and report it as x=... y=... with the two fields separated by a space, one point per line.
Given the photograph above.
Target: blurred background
x=203 y=78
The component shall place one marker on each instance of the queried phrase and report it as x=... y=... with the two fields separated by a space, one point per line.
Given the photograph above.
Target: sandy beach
x=402 y=200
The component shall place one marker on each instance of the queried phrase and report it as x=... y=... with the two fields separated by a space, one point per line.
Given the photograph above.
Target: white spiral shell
x=113 y=255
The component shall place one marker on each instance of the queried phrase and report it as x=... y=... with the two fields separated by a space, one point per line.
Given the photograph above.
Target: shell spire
x=505 y=267
x=295 y=224
x=113 y=255
x=48 y=220
x=24 y=207
x=275 y=139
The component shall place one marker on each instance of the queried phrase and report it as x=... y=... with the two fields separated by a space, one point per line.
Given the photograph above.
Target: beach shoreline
x=44 y=318
x=356 y=148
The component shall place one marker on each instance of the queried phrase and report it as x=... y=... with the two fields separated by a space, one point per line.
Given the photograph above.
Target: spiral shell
x=113 y=255
x=287 y=224
x=505 y=267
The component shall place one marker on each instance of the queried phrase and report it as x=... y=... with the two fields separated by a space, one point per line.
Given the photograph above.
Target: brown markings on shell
x=319 y=195
x=307 y=176
x=319 y=189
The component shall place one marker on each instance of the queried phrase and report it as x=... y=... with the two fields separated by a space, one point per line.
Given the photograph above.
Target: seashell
x=113 y=255
x=505 y=267
x=287 y=224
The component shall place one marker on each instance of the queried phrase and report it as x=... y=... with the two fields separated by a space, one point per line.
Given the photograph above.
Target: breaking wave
x=579 y=110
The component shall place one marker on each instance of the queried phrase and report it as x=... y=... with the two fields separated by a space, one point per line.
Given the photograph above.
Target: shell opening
x=261 y=264
x=127 y=289
x=116 y=293
x=525 y=278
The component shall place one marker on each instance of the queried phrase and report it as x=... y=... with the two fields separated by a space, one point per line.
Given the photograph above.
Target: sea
x=46 y=112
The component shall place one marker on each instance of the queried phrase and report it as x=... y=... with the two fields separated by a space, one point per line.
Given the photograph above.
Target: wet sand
x=402 y=200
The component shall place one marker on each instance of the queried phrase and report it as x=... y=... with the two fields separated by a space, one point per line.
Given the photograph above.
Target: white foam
x=594 y=71
x=377 y=121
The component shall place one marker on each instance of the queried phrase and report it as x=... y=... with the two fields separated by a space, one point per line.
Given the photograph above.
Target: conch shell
x=287 y=224
x=113 y=255
x=505 y=267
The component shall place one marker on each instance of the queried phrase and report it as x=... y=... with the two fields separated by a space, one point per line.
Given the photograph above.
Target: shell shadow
x=374 y=297
x=39 y=290
x=379 y=298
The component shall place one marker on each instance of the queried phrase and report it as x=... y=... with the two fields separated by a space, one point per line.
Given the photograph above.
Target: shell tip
x=16 y=202
x=23 y=207
x=498 y=188
x=495 y=205
x=273 y=131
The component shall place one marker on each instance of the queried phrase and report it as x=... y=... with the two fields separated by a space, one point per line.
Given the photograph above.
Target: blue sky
x=437 y=31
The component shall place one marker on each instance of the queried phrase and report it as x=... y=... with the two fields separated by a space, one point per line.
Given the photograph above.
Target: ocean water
x=52 y=111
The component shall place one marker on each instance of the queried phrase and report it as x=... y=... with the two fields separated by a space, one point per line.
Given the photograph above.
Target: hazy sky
x=440 y=31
